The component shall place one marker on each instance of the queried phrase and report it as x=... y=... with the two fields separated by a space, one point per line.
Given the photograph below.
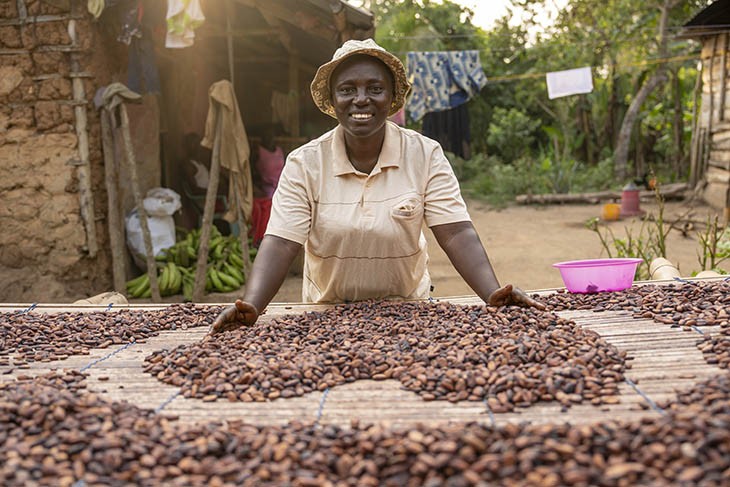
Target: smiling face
x=362 y=93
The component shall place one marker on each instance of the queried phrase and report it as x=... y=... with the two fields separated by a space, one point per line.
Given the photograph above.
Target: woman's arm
x=270 y=267
x=462 y=245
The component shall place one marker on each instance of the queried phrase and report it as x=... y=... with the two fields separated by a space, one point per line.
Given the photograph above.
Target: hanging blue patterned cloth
x=443 y=80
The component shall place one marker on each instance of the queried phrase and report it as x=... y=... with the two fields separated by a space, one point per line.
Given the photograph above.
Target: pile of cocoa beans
x=512 y=357
x=50 y=435
x=716 y=348
x=680 y=305
x=44 y=337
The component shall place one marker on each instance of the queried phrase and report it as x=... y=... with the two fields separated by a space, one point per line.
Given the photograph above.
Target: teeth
x=361 y=116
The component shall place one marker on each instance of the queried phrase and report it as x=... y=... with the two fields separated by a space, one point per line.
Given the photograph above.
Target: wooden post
x=86 y=194
x=210 y=197
x=723 y=76
x=22 y=11
x=695 y=142
x=114 y=217
x=229 y=41
x=294 y=88
x=243 y=235
x=704 y=151
x=129 y=152
x=339 y=18
x=712 y=88
x=677 y=125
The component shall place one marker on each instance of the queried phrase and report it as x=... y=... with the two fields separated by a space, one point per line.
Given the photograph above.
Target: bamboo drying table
x=664 y=360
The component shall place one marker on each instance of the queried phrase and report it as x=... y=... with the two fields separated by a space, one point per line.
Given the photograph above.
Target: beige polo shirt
x=362 y=233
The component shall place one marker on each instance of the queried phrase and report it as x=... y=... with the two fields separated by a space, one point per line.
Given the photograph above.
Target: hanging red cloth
x=260 y=218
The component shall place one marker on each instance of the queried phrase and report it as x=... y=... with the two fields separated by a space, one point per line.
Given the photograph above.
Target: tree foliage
x=623 y=40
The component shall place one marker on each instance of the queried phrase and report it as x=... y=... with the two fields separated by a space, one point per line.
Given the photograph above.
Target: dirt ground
x=524 y=241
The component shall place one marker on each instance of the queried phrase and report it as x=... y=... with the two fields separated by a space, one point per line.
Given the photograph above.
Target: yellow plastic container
x=610 y=212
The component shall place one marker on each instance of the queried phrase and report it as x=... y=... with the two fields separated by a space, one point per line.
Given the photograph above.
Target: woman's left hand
x=513 y=296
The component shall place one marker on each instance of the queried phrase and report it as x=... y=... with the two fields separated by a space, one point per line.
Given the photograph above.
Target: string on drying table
x=167 y=401
x=685 y=281
x=101 y=359
x=649 y=401
x=28 y=309
x=694 y=327
x=321 y=405
x=490 y=413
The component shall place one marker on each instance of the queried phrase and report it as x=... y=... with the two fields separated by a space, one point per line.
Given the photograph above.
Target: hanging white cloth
x=183 y=17
x=202 y=175
x=569 y=82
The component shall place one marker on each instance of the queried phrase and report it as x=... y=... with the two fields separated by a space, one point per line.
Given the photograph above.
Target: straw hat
x=321 y=83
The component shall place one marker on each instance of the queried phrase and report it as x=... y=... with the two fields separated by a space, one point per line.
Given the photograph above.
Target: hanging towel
x=114 y=94
x=569 y=82
x=442 y=80
x=183 y=17
x=95 y=7
x=234 y=150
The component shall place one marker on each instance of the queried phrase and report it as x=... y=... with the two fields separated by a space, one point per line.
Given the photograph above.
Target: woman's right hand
x=510 y=295
x=233 y=317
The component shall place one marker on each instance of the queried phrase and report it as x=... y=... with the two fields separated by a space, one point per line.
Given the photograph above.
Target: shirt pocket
x=407 y=208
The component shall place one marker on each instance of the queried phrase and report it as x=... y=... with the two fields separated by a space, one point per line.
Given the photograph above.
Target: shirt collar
x=390 y=153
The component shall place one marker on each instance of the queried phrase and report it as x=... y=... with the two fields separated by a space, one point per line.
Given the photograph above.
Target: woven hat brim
x=320 y=87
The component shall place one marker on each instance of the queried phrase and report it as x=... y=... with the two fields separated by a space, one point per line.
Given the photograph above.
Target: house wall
x=43 y=245
x=714 y=123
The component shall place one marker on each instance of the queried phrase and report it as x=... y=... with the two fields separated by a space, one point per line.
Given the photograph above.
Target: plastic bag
x=161 y=202
x=162 y=234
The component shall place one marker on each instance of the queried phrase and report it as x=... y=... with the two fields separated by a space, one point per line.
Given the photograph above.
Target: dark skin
x=362 y=93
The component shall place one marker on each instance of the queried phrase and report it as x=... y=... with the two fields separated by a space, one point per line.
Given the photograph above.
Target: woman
x=357 y=198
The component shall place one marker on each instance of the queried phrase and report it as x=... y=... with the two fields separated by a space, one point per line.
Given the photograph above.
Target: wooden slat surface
x=663 y=360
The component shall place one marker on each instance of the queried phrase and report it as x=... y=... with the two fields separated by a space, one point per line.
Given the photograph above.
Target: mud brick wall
x=43 y=254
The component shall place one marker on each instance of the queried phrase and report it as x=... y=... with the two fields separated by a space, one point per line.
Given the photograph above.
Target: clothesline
x=648 y=62
x=720 y=28
x=444 y=80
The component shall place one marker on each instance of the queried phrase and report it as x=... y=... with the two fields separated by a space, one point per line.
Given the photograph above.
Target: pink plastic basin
x=598 y=275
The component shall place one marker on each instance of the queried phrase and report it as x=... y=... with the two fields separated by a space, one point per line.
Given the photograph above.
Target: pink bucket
x=598 y=275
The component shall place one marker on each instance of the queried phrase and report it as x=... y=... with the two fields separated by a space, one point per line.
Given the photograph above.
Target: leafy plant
x=642 y=246
x=511 y=133
x=490 y=179
x=650 y=242
x=714 y=244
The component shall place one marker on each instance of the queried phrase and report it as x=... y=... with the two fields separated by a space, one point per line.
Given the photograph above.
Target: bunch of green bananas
x=139 y=287
x=225 y=264
x=170 y=279
x=176 y=266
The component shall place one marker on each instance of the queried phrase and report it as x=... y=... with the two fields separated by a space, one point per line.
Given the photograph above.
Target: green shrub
x=489 y=179
x=511 y=133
